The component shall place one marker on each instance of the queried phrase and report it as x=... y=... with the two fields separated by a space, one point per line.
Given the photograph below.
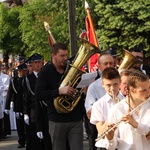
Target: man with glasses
x=137 y=51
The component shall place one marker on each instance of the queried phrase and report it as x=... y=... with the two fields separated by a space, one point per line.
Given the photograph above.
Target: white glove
x=6 y=111
x=26 y=119
x=40 y=135
x=12 y=105
x=18 y=114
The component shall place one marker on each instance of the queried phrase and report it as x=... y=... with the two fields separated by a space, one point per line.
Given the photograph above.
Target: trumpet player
x=133 y=131
x=111 y=84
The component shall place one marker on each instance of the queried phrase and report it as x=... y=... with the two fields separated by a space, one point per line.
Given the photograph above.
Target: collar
x=56 y=69
x=121 y=94
x=108 y=98
x=35 y=73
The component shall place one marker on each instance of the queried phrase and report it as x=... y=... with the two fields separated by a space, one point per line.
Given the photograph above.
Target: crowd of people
x=32 y=88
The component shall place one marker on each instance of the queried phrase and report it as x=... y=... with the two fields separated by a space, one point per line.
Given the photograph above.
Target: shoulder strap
x=12 y=81
x=28 y=86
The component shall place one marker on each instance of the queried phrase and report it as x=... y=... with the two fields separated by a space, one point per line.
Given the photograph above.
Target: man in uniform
x=30 y=105
x=15 y=95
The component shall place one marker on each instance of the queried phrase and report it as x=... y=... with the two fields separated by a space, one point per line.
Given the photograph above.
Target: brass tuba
x=65 y=103
x=128 y=61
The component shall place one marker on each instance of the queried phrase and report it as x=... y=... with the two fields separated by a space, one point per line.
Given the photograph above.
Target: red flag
x=91 y=35
x=50 y=41
x=50 y=36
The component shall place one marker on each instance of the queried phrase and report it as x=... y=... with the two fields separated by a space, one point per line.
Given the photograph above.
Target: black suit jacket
x=147 y=69
x=29 y=105
x=15 y=94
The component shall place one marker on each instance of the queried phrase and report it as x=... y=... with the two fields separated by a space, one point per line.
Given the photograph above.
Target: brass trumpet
x=115 y=98
x=128 y=61
x=116 y=124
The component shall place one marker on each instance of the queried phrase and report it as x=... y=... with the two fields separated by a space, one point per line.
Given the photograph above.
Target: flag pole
x=87 y=8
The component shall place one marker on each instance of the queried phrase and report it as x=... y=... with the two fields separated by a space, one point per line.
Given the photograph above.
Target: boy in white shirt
x=111 y=83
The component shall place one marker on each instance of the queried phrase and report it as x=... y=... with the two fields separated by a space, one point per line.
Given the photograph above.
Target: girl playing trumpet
x=133 y=132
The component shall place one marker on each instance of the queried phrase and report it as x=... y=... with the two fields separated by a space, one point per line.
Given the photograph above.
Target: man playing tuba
x=63 y=127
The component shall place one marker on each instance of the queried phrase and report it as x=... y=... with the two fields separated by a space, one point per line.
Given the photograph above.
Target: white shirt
x=130 y=138
x=101 y=107
x=95 y=91
x=100 y=111
x=36 y=74
x=4 y=84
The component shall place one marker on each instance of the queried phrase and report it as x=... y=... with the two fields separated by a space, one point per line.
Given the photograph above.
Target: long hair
x=132 y=81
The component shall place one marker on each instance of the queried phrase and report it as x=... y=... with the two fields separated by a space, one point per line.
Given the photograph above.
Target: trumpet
x=116 y=124
x=114 y=97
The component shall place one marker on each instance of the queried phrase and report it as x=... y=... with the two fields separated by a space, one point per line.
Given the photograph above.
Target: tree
x=28 y=24
x=53 y=12
x=123 y=23
x=10 y=41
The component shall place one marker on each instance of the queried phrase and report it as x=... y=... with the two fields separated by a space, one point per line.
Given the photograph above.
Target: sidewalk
x=10 y=143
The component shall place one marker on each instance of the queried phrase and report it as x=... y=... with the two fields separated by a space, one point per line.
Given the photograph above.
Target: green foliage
x=10 y=41
x=119 y=23
x=123 y=23
x=53 y=12
x=23 y=27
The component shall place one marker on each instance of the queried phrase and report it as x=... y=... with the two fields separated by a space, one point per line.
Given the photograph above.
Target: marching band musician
x=63 y=127
x=15 y=95
x=137 y=51
x=123 y=85
x=133 y=131
x=29 y=103
x=111 y=83
x=94 y=92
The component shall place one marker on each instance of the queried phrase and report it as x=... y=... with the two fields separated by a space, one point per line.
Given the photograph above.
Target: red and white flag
x=92 y=38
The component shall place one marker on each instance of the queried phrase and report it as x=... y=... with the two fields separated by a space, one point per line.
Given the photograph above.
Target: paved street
x=10 y=143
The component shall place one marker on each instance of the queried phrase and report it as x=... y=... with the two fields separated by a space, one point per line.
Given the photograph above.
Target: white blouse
x=126 y=137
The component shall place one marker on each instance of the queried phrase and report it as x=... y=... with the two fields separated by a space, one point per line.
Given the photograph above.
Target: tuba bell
x=128 y=61
x=65 y=103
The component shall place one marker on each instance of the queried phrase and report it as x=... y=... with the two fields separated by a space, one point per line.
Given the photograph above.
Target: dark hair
x=110 y=73
x=56 y=46
x=135 y=77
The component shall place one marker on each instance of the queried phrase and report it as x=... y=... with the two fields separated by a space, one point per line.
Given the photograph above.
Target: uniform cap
x=113 y=51
x=35 y=57
x=137 y=48
x=20 y=59
x=22 y=67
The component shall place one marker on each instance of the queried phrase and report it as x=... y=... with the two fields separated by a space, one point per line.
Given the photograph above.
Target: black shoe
x=21 y=146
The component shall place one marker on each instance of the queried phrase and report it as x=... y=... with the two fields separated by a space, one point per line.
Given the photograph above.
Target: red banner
x=92 y=38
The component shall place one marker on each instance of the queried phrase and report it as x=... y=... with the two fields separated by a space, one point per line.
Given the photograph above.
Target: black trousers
x=32 y=141
x=92 y=134
x=21 y=130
